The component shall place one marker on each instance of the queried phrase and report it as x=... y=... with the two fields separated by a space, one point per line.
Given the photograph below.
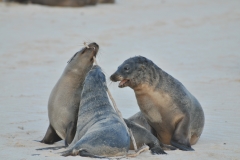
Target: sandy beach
x=197 y=42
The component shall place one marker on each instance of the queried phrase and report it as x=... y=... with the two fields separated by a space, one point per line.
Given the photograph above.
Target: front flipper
x=50 y=136
x=70 y=133
x=167 y=147
x=180 y=137
x=157 y=150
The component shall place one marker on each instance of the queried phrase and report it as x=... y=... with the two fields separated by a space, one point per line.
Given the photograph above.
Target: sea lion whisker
x=95 y=61
x=85 y=44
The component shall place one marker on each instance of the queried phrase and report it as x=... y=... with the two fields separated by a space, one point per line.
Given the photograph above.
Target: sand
x=197 y=42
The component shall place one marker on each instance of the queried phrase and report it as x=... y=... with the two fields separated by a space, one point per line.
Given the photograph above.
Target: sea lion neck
x=77 y=70
x=143 y=89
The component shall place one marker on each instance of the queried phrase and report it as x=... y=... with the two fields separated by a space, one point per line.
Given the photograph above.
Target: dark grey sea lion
x=173 y=112
x=100 y=131
x=65 y=97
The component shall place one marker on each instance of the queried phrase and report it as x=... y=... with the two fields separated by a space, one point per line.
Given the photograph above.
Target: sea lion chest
x=63 y=104
x=159 y=109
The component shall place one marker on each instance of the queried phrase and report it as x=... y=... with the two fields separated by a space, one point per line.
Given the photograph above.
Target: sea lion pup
x=173 y=112
x=106 y=1
x=65 y=97
x=60 y=3
x=65 y=3
x=100 y=131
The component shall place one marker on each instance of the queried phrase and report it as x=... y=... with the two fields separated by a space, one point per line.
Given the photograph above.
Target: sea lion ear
x=143 y=66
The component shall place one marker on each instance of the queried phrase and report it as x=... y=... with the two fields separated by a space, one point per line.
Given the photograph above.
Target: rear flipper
x=85 y=153
x=81 y=152
x=50 y=136
x=180 y=137
x=51 y=148
x=157 y=150
x=181 y=146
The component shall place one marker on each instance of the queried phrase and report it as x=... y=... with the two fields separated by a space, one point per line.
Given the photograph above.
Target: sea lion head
x=95 y=79
x=83 y=59
x=131 y=72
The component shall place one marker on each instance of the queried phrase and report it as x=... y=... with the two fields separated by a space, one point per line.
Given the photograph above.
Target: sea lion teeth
x=123 y=82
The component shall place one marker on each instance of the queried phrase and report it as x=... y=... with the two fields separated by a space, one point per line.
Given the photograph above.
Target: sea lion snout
x=115 y=77
x=93 y=47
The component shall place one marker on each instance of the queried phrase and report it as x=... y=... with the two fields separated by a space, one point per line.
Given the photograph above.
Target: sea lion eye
x=126 y=68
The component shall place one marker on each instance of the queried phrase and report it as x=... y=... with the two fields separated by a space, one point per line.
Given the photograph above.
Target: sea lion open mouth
x=123 y=83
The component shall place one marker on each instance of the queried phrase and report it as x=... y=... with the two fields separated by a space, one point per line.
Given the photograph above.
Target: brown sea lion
x=173 y=112
x=64 y=100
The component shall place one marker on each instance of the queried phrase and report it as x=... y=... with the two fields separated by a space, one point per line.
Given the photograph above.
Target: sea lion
x=100 y=131
x=106 y=1
x=65 y=97
x=173 y=112
x=61 y=3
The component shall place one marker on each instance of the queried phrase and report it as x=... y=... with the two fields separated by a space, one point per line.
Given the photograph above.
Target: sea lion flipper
x=50 y=148
x=167 y=147
x=157 y=150
x=85 y=153
x=180 y=137
x=70 y=133
x=50 y=136
x=81 y=152
x=181 y=146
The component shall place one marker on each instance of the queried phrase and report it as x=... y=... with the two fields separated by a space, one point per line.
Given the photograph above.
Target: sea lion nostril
x=95 y=44
x=111 y=78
